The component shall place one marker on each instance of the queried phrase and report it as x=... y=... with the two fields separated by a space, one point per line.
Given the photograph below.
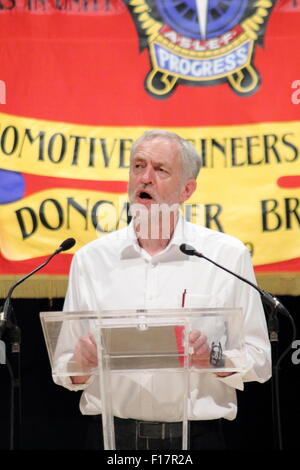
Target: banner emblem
x=200 y=42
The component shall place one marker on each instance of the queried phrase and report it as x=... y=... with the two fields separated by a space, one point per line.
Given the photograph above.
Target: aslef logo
x=200 y=42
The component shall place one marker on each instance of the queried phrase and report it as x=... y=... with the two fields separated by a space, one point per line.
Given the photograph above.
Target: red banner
x=80 y=79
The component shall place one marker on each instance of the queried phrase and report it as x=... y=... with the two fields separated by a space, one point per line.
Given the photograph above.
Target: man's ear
x=187 y=190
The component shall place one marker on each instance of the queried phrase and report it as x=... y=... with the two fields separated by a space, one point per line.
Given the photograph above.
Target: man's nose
x=148 y=175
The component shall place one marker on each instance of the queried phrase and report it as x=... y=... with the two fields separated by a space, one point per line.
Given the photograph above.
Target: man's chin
x=146 y=202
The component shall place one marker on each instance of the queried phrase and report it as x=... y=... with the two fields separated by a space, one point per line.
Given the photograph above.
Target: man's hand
x=224 y=374
x=201 y=350
x=85 y=355
x=201 y=353
x=199 y=343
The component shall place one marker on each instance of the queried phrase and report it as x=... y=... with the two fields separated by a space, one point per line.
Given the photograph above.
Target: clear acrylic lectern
x=137 y=342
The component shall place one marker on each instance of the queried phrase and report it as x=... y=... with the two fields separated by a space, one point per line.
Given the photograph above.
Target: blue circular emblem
x=182 y=16
x=12 y=186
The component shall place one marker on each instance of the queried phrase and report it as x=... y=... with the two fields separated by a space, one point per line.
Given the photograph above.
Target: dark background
x=50 y=414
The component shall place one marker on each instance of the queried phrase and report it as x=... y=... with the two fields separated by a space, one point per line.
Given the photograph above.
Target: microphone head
x=187 y=249
x=67 y=244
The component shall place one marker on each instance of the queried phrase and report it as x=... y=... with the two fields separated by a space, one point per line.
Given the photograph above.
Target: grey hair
x=190 y=159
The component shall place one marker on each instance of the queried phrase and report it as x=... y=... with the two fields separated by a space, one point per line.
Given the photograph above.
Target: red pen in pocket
x=179 y=335
x=183 y=298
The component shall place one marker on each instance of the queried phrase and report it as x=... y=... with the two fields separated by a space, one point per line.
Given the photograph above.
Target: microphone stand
x=14 y=333
x=272 y=307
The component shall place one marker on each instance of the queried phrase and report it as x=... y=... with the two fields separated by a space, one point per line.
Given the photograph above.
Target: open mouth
x=145 y=195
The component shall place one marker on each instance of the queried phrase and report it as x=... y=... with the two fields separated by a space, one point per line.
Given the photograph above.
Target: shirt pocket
x=202 y=301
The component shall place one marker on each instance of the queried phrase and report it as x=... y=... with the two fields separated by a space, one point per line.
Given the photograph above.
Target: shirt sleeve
x=71 y=330
x=256 y=352
x=74 y=300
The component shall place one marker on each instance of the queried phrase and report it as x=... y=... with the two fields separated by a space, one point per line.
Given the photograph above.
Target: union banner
x=80 y=81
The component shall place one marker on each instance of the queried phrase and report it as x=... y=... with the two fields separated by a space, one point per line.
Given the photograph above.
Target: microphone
x=66 y=245
x=4 y=314
x=273 y=327
x=267 y=298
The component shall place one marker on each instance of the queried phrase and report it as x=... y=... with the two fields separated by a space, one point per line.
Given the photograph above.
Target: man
x=141 y=266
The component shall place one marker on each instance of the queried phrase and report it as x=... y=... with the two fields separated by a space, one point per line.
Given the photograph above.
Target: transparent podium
x=143 y=353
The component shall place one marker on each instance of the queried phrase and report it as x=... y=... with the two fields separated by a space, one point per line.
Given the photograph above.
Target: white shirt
x=114 y=272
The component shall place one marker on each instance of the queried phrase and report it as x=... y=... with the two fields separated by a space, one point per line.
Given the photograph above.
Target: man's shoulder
x=203 y=237
x=109 y=243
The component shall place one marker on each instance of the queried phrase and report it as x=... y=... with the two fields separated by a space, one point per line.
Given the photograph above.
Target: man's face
x=156 y=174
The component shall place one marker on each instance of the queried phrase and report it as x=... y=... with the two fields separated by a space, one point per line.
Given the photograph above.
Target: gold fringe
x=280 y=283
x=42 y=286
x=51 y=287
